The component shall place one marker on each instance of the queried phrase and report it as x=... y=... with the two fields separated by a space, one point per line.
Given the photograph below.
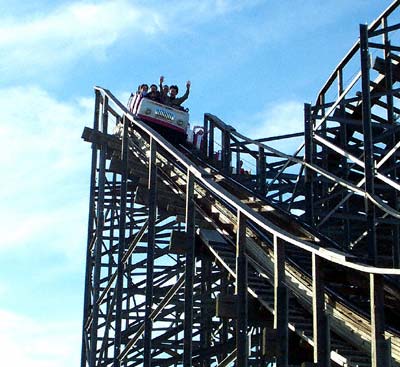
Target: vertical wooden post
x=211 y=140
x=261 y=171
x=238 y=158
x=388 y=73
x=345 y=168
x=281 y=307
x=226 y=152
x=204 y=147
x=379 y=348
x=320 y=324
x=390 y=119
x=152 y=189
x=99 y=239
x=368 y=145
x=308 y=156
x=206 y=329
x=224 y=331
x=104 y=120
x=85 y=353
x=189 y=270
x=119 y=287
x=241 y=291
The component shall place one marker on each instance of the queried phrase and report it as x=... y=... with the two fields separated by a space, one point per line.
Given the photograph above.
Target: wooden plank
x=241 y=291
x=320 y=325
x=178 y=242
x=379 y=65
x=281 y=306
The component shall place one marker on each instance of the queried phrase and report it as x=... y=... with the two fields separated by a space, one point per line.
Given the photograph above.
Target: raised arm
x=161 y=85
x=186 y=95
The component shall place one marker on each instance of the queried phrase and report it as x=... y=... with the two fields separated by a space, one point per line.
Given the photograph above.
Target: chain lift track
x=191 y=262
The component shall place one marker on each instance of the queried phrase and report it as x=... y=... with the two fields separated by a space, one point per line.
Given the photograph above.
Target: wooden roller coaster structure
x=191 y=262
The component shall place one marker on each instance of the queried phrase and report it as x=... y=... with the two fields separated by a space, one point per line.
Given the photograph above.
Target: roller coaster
x=191 y=262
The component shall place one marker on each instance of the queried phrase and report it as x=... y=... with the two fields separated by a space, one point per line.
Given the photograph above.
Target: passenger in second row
x=154 y=94
x=172 y=99
x=163 y=90
x=143 y=90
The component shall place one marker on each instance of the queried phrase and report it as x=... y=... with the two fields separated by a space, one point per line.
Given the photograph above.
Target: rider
x=172 y=99
x=154 y=94
x=175 y=101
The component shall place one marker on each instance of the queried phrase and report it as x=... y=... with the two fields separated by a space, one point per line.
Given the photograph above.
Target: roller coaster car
x=170 y=122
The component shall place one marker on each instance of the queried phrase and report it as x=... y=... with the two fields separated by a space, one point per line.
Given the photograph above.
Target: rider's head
x=173 y=90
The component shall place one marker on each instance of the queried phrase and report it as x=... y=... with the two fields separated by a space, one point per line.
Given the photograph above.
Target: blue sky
x=253 y=63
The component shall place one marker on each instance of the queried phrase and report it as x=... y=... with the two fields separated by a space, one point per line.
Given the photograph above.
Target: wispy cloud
x=190 y=11
x=44 y=169
x=36 y=43
x=32 y=43
x=39 y=134
x=27 y=342
x=279 y=119
x=289 y=21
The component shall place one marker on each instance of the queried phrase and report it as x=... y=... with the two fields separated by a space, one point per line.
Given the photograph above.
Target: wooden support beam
x=320 y=322
x=380 y=350
x=392 y=72
x=281 y=305
x=152 y=203
x=85 y=352
x=241 y=291
x=119 y=287
x=270 y=343
x=226 y=152
x=178 y=242
x=261 y=171
x=206 y=308
x=227 y=304
x=380 y=65
x=368 y=147
x=205 y=143
x=190 y=267
x=99 y=239
x=308 y=147
x=211 y=140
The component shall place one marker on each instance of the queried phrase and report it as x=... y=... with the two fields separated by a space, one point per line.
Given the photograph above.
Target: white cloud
x=37 y=132
x=69 y=32
x=278 y=119
x=196 y=11
x=275 y=120
x=28 y=342
x=45 y=170
x=35 y=43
